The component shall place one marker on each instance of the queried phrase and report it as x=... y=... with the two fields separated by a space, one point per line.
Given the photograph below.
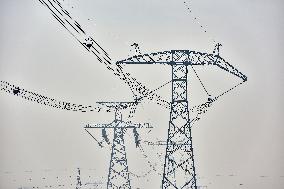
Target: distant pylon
x=118 y=174
x=79 y=182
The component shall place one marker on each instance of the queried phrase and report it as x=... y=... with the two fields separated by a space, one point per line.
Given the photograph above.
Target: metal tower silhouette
x=118 y=175
x=79 y=182
x=179 y=168
x=179 y=161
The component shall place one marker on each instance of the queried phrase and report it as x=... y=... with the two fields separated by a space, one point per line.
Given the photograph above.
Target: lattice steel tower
x=118 y=175
x=179 y=169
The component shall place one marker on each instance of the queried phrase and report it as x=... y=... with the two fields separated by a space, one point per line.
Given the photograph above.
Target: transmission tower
x=118 y=175
x=79 y=182
x=179 y=169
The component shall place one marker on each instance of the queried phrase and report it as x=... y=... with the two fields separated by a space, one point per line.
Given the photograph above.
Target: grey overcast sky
x=237 y=144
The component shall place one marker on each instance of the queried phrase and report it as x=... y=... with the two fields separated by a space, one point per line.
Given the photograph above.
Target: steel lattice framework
x=118 y=175
x=179 y=168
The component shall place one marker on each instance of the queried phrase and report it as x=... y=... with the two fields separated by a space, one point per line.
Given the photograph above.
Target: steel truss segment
x=184 y=57
x=179 y=72
x=119 y=124
x=118 y=176
x=119 y=105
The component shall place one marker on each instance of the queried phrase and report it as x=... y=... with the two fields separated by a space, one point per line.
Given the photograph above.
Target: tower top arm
x=118 y=105
x=119 y=124
x=184 y=57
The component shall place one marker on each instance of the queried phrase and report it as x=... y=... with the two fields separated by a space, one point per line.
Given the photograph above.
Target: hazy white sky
x=242 y=135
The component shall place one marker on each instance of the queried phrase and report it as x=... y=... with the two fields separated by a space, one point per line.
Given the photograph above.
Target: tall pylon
x=179 y=168
x=118 y=174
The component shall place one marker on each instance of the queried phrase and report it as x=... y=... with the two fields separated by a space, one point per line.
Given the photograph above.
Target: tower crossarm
x=140 y=125
x=117 y=106
x=118 y=124
x=184 y=57
x=113 y=124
